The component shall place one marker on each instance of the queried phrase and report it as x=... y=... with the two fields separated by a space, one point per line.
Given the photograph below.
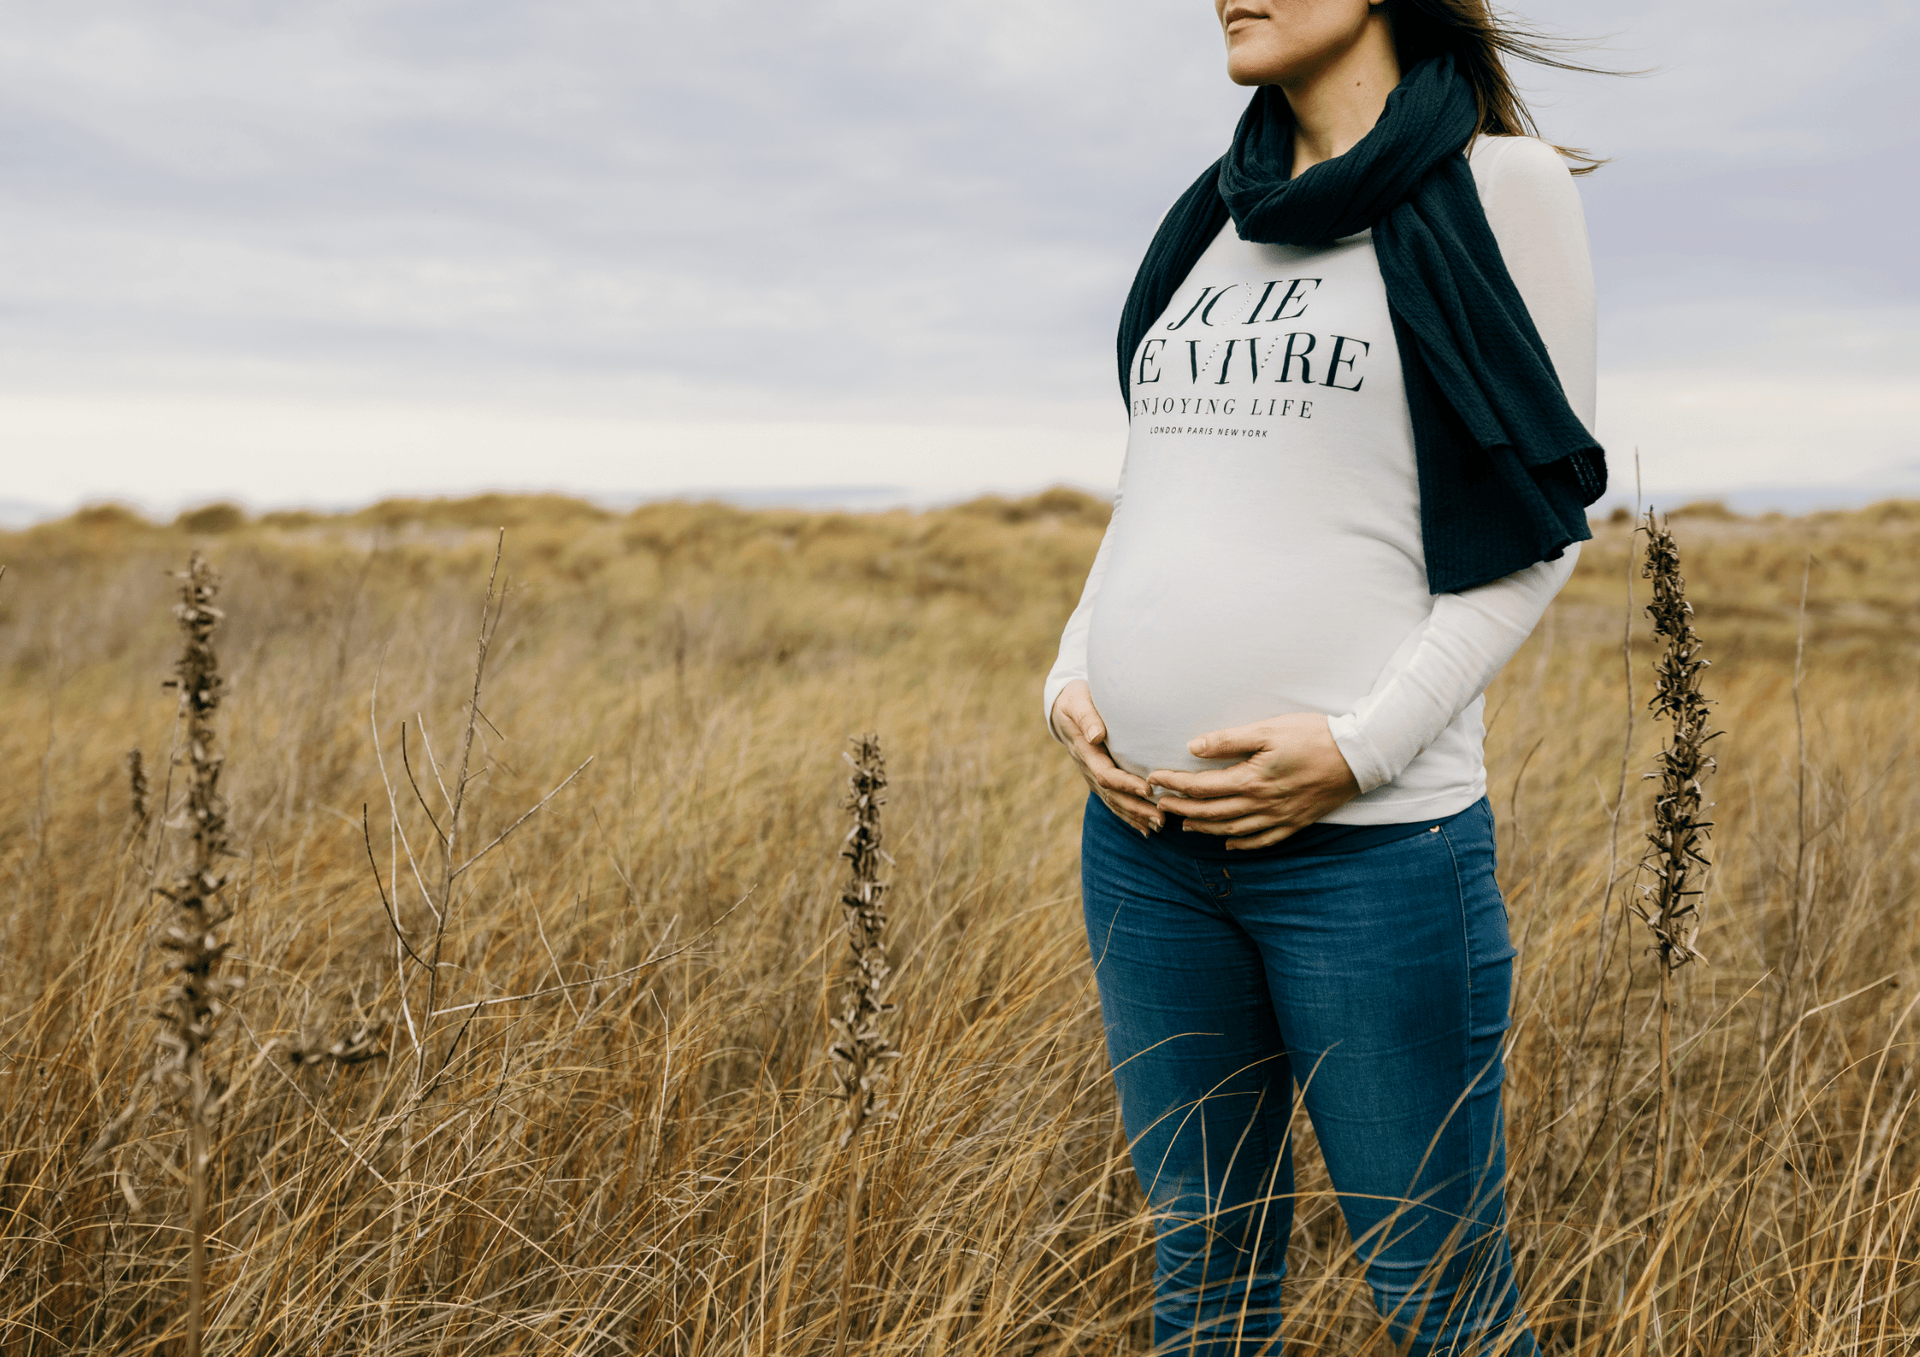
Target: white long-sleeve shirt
x=1265 y=553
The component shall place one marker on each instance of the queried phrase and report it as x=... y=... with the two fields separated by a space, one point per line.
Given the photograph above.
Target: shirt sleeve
x=1071 y=663
x=1448 y=662
x=1533 y=206
x=1450 y=658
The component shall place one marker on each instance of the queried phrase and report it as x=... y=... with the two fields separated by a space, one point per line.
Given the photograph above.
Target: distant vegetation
x=608 y=1130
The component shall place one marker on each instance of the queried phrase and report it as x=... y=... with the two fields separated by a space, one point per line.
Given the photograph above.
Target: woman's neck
x=1338 y=102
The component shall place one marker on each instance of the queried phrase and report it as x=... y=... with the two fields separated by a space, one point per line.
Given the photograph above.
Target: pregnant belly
x=1166 y=663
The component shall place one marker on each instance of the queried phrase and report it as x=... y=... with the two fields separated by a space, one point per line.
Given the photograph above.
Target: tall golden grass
x=643 y=1157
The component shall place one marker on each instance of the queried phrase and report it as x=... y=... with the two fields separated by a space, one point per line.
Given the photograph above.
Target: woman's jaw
x=1294 y=42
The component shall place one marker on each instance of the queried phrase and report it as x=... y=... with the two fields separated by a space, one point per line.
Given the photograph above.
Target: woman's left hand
x=1293 y=774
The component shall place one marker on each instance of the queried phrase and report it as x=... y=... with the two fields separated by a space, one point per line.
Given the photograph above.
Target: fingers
x=1108 y=775
x=1074 y=711
x=1236 y=742
x=1217 y=782
x=1142 y=815
x=1076 y=719
x=1278 y=834
x=1130 y=804
x=1222 y=809
x=1138 y=812
x=1083 y=722
x=1122 y=783
x=1238 y=827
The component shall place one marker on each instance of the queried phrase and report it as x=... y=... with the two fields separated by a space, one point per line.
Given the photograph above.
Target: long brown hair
x=1481 y=42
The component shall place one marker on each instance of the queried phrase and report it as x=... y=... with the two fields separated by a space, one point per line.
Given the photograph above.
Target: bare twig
x=1605 y=932
x=393 y=919
x=501 y=837
x=1802 y=838
x=399 y=832
x=414 y=782
x=1626 y=738
x=490 y=608
x=602 y=979
x=1800 y=730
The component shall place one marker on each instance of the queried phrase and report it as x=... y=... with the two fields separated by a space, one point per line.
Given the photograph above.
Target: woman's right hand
x=1076 y=721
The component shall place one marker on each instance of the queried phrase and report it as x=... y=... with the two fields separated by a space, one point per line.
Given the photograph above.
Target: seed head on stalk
x=195 y=998
x=1676 y=856
x=861 y=1051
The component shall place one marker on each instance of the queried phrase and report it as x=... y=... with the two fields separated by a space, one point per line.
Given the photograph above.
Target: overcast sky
x=322 y=251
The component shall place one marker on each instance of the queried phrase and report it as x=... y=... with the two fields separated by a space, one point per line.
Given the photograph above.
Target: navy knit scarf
x=1506 y=468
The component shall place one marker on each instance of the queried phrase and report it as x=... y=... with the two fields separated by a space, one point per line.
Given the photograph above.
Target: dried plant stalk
x=195 y=998
x=1676 y=856
x=861 y=1050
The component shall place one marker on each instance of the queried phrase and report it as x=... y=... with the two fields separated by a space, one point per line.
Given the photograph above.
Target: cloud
x=564 y=220
x=820 y=194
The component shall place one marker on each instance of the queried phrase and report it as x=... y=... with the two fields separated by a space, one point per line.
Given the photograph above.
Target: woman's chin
x=1248 y=72
x=1256 y=63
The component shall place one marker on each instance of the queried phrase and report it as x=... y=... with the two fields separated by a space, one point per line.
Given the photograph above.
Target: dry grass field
x=604 y=1127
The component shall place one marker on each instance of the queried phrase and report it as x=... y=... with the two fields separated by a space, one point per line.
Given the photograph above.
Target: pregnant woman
x=1358 y=360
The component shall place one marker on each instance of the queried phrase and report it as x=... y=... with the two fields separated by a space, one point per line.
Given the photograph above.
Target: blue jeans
x=1375 y=980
